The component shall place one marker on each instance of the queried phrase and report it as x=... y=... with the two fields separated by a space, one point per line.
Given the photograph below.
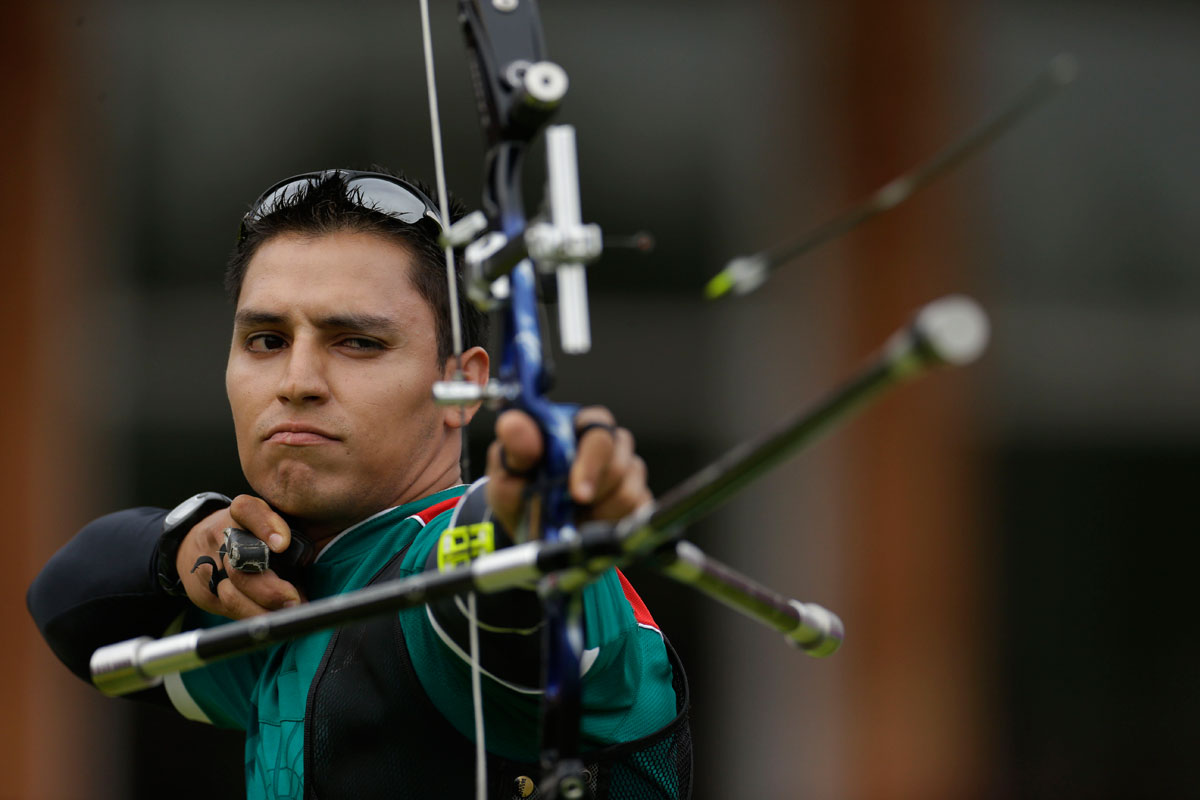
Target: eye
x=360 y=343
x=265 y=342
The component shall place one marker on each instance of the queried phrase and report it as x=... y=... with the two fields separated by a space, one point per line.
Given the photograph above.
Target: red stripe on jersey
x=640 y=612
x=428 y=514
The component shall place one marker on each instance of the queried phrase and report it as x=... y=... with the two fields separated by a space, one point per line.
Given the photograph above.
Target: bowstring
x=456 y=334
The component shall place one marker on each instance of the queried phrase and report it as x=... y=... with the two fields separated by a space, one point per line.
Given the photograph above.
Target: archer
x=340 y=331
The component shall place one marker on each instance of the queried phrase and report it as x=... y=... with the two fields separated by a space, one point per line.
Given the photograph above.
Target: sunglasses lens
x=390 y=198
x=375 y=192
x=277 y=197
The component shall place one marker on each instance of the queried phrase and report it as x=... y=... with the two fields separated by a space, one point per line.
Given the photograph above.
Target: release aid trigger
x=247 y=553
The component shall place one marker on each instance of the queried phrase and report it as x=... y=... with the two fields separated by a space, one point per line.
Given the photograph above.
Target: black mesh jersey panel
x=371 y=733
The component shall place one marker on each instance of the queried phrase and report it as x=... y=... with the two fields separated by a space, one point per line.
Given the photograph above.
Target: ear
x=475 y=367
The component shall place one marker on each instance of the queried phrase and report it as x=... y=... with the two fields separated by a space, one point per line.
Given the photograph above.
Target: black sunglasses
x=374 y=191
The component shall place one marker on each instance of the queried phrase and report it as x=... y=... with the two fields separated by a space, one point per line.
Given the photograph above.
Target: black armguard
x=101 y=588
x=510 y=631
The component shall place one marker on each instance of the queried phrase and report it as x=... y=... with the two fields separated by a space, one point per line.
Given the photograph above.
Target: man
x=340 y=330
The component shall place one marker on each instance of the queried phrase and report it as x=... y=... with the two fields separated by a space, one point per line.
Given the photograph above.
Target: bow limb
x=517 y=91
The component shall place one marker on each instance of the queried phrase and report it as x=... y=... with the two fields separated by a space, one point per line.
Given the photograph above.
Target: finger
x=254 y=515
x=512 y=458
x=208 y=602
x=595 y=449
x=201 y=595
x=202 y=540
x=625 y=497
x=203 y=584
x=505 y=491
x=235 y=604
x=521 y=442
x=267 y=590
x=208 y=534
x=619 y=460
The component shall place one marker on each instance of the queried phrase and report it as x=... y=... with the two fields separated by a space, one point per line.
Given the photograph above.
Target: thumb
x=254 y=515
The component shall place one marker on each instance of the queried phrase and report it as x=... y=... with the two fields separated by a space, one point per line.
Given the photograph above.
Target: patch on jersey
x=640 y=612
x=428 y=514
x=459 y=546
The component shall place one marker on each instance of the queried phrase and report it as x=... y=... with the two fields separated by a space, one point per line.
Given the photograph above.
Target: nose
x=303 y=379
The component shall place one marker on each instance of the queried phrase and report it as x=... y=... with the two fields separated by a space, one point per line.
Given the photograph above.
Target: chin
x=318 y=504
x=300 y=493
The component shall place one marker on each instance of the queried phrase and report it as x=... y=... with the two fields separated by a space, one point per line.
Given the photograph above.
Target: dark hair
x=327 y=205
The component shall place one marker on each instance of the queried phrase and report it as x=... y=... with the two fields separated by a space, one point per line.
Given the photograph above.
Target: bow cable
x=435 y=127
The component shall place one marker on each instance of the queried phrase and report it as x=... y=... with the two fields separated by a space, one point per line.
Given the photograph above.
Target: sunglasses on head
x=374 y=191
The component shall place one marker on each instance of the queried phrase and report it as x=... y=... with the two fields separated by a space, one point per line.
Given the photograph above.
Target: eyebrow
x=357 y=323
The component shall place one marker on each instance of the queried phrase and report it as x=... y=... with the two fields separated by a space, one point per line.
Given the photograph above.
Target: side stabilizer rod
x=807 y=626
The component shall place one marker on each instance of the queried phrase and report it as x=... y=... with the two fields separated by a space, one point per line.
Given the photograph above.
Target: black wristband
x=175 y=527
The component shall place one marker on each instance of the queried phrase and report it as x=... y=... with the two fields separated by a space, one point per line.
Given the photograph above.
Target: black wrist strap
x=176 y=526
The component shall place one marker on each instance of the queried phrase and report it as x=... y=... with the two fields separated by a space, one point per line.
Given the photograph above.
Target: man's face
x=330 y=376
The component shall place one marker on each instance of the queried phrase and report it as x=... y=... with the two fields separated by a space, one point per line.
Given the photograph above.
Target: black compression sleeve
x=100 y=588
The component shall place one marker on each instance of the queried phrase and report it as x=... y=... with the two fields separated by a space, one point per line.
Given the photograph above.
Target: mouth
x=296 y=434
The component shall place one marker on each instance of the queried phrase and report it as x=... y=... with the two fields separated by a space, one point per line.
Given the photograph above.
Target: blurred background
x=1009 y=545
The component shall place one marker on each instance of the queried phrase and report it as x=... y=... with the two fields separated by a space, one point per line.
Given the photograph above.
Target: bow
x=511 y=263
x=507 y=258
x=517 y=90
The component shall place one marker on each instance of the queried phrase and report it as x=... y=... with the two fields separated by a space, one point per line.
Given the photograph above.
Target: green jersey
x=627 y=685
